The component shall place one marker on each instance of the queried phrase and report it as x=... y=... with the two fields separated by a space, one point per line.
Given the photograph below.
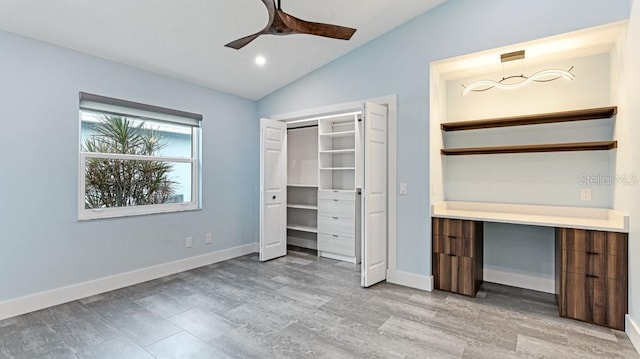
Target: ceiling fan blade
x=316 y=28
x=242 y=42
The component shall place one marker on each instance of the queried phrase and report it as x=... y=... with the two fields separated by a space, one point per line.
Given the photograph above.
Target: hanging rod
x=301 y=127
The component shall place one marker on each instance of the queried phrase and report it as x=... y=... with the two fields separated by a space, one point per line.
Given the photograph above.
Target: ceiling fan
x=281 y=23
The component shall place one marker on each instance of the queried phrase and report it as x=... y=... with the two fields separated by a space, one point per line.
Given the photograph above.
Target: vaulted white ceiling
x=185 y=38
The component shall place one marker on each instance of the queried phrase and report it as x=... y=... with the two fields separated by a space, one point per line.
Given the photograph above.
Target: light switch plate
x=585 y=194
x=404 y=188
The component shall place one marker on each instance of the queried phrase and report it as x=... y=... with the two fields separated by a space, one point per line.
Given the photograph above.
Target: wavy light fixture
x=541 y=76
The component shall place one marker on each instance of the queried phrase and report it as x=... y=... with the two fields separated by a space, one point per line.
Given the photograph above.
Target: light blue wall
x=398 y=63
x=627 y=131
x=42 y=244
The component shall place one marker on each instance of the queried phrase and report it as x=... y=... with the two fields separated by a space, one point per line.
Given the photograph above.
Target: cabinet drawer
x=586 y=298
x=454 y=274
x=338 y=226
x=598 y=265
x=344 y=195
x=611 y=243
x=453 y=245
x=337 y=208
x=345 y=246
x=458 y=228
x=585 y=263
x=581 y=240
x=594 y=300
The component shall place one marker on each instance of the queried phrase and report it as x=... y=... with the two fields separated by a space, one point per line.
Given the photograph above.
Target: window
x=136 y=159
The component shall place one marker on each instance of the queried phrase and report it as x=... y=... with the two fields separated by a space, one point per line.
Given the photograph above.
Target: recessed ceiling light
x=260 y=60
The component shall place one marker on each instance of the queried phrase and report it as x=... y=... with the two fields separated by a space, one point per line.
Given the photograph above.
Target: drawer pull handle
x=334 y=217
x=336 y=200
x=451 y=255
x=592 y=253
x=592 y=276
x=335 y=236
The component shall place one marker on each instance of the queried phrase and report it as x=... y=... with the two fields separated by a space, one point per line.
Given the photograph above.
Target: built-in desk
x=597 y=219
x=591 y=253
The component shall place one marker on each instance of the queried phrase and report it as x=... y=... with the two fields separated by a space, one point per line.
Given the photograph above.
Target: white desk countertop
x=550 y=216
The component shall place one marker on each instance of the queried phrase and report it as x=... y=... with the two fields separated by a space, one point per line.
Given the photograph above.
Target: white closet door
x=374 y=195
x=273 y=189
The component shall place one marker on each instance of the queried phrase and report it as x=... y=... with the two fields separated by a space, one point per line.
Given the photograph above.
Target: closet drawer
x=453 y=245
x=337 y=208
x=345 y=246
x=338 y=226
x=344 y=195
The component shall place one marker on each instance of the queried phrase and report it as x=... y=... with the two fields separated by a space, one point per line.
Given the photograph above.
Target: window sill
x=92 y=214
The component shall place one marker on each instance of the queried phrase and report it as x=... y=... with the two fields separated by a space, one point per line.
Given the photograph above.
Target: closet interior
x=324 y=178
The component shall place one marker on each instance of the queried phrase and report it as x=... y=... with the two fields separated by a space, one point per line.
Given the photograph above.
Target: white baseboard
x=633 y=332
x=546 y=285
x=410 y=280
x=30 y=303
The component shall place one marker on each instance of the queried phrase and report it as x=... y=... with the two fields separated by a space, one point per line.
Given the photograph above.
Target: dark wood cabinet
x=457 y=255
x=591 y=276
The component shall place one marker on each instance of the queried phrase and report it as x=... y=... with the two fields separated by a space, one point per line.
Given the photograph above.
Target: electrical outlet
x=189 y=241
x=208 y=239
x=585 y=194
x=404 y=189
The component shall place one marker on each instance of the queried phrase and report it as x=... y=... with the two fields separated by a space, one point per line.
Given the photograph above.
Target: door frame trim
x=391 y=101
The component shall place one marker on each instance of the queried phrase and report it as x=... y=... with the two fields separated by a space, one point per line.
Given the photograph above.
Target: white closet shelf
x=339 y=134
x=296 y=227
x=337 y=168
x=302 y=185
x=350 y=150
x=302 y=206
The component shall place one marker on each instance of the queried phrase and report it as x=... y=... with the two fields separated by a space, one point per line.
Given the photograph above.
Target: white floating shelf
x=302 y=185
x=337 y=168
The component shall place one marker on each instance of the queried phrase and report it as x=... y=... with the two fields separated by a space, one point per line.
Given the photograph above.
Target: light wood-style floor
x=301 y=306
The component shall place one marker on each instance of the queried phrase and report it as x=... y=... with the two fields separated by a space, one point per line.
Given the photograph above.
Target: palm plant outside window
x=136 y=161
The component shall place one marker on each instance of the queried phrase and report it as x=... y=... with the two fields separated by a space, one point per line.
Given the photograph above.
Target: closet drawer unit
x=336 y=244
x=339 y=226
x=456 y=228
x=337 y=208
x=343 y=195
x=453 y=245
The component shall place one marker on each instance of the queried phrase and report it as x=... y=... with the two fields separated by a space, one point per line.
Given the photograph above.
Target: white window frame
x=105 y=105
